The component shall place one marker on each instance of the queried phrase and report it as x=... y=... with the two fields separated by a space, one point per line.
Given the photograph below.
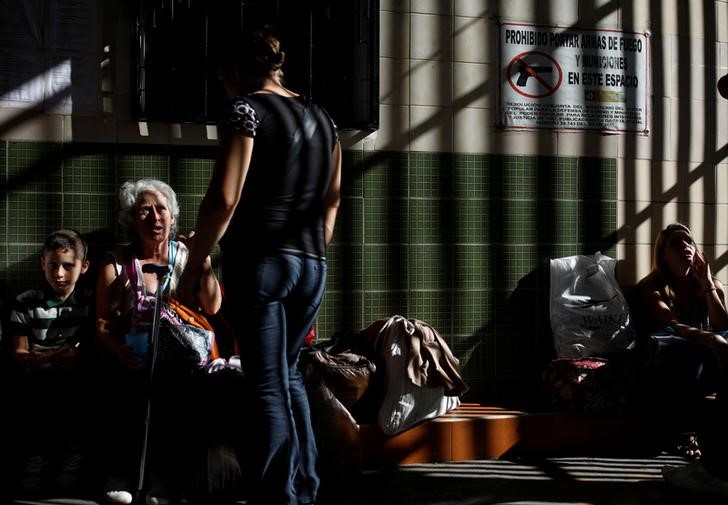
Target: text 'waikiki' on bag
x=589 y=313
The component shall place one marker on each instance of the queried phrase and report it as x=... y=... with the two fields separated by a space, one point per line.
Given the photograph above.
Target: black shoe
x=69 y=476
x=34 y=472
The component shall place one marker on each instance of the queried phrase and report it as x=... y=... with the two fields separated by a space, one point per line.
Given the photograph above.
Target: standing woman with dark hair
x=272 y=204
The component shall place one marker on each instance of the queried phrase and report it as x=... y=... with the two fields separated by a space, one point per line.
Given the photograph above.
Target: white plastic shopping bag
x=589 y=313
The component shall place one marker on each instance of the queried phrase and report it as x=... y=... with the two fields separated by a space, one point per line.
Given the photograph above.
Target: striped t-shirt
x=49 y=322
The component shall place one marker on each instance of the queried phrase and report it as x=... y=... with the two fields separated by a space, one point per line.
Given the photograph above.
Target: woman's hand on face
x=701 y=270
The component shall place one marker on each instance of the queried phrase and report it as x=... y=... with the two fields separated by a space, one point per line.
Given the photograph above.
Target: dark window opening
x=332 y=55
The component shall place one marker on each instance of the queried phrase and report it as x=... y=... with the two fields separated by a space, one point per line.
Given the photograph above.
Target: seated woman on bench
x=686 y=318
x=125 y=300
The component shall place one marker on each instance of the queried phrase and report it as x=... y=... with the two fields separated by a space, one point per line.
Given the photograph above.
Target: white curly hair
x=129 y=193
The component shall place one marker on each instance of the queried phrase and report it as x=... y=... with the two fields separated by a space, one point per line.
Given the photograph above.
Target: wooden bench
x=474 y=431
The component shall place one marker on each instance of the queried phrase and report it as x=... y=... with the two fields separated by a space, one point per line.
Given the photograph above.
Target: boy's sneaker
x=69 y=475
x=34 y=473
x=118 y=490
x=695 y=477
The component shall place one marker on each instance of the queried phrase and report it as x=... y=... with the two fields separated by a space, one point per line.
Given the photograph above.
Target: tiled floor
x=574 y=480
x=551 y=481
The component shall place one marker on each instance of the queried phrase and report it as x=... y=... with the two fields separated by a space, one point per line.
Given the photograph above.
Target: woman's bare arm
x=217 y=208
x=109 y=293
x=664 y=316
x=333 y=196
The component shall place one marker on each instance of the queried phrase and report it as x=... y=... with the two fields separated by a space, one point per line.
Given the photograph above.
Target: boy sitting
x=49 y=327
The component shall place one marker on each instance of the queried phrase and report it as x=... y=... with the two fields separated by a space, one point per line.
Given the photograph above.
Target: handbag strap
x=133 y=275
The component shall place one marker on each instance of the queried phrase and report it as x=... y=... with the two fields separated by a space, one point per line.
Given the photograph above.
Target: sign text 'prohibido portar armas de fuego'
x=573 y=78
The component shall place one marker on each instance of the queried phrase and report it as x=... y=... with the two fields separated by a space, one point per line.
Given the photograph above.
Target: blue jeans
x=274 y=301
x=684 y=366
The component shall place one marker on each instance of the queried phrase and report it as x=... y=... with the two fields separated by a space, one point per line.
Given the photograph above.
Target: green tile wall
x=463 y=241
x=458 y=240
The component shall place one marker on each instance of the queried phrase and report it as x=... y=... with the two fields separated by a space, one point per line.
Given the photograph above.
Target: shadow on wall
x=517 y=345
x=523 y=339
x=539 y=208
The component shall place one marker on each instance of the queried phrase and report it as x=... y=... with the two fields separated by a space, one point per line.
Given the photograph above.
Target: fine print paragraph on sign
x=573 y=79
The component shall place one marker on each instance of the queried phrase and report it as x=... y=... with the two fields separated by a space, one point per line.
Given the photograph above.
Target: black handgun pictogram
x=525 y=71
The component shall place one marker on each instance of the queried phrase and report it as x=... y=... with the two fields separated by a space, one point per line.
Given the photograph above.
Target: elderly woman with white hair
x=149 y=211
x=125 y=296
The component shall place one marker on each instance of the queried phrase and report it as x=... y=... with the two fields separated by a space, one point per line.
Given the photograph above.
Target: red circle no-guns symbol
x=536 y=74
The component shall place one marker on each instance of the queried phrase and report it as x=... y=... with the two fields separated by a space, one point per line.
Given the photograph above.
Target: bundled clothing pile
x=396 y=373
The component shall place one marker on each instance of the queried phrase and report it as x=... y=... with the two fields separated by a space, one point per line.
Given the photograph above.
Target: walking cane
x=162 y=271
